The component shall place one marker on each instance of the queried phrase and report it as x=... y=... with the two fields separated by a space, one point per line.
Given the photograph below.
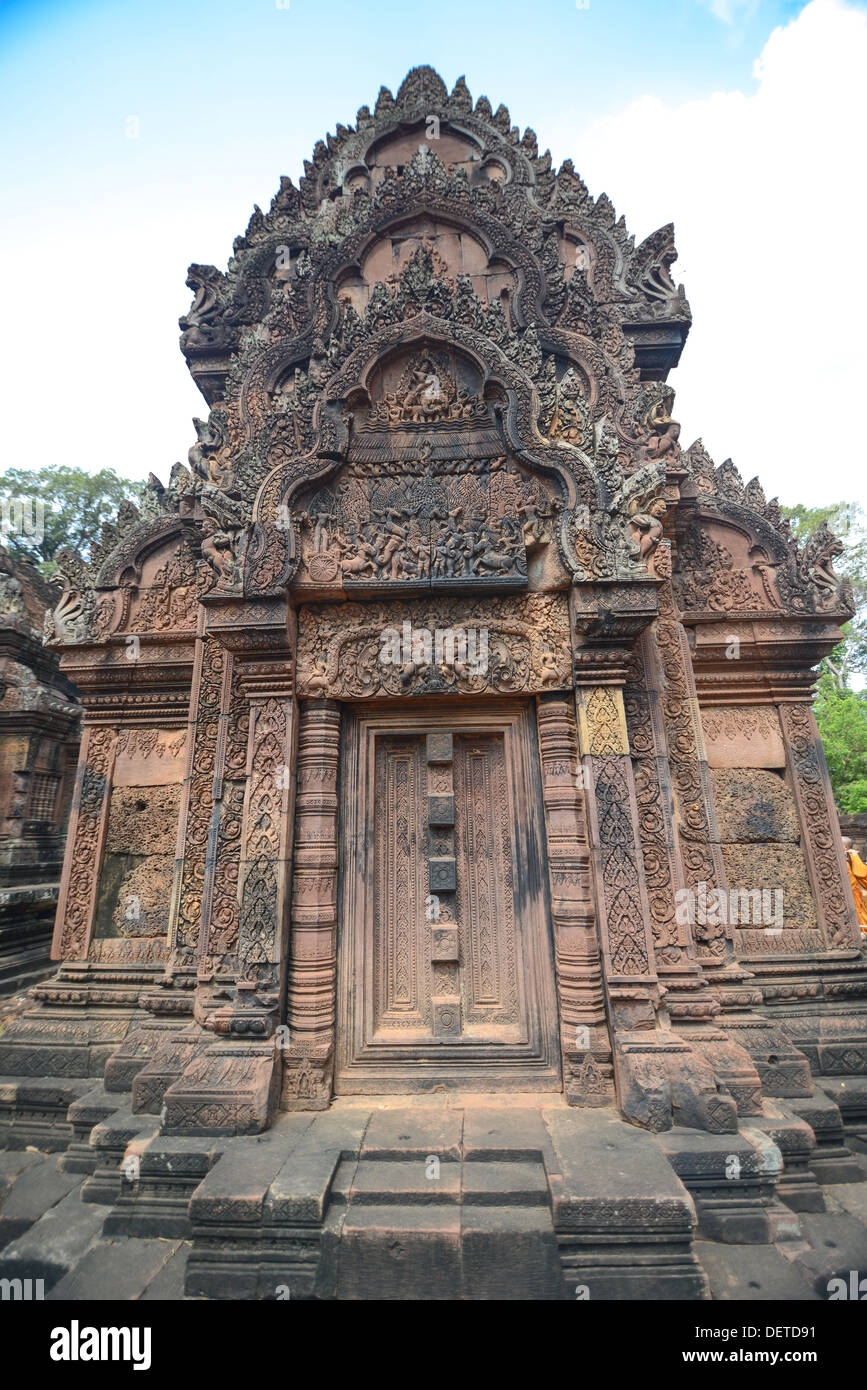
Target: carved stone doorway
x=445 y=969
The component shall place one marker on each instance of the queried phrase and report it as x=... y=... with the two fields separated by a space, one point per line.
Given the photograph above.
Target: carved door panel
x=445 y=969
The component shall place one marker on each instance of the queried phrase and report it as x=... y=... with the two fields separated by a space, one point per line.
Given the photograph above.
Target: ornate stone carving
x=505 y=645
x=602 y=722
x=583 y=1028
x=424 y=523
x=309 y=1058
x=265 y=846
x=206 y=704
x=822 y=843
x=86 y=834
x=435 y=374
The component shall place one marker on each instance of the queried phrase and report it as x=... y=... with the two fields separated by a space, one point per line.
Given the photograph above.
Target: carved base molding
x=229 y=1088
x=76 y=1020
x=663 y=1082
x=782 y=1069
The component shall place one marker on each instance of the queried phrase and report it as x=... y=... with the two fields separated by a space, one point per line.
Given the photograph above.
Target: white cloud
x=767 y=193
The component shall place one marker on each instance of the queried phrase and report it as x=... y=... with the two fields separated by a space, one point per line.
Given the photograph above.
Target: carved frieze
x=743 y=736
x=453 y=646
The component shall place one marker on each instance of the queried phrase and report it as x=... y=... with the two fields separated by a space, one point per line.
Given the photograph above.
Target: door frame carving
x=469 y=1067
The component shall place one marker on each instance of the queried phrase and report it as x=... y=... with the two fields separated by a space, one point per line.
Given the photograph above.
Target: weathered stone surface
x=125 y=1267
x=753 y=806
x=53 y=1244
x=35 y=1190
x=837 y=1246
x=760 y=1272
x=612 y=1181
x=772 y=868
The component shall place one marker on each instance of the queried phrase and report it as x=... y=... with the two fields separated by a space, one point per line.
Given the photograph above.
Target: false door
x=445 y=972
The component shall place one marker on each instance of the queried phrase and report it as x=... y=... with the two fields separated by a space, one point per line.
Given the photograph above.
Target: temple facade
x=447 y=724
x=39 y=737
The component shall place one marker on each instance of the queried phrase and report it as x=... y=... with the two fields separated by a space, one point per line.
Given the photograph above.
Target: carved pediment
x=429 y=498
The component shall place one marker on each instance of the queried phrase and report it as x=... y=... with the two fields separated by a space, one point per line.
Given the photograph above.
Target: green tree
x=70 y=503
x=842 y=719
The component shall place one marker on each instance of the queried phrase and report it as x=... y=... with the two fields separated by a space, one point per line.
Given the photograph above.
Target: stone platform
x=452 y=1197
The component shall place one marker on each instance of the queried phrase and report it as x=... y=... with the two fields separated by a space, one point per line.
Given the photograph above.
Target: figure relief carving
x=425 y=522
x=170 y=601
x=707 y=578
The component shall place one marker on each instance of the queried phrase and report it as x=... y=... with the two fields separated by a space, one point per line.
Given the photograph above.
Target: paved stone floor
x=47 y=1232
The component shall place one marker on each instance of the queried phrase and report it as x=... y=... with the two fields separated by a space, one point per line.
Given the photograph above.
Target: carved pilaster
x=309 y=1057
x=266 y=838
x=698 y=839
x=621 y=893
x=693 y=1007
x=663 y=870
x=819 y=827
x=87 y=826
x=210 y=681
x=661 y=1079
x=232 y=1084
x=585 y=1042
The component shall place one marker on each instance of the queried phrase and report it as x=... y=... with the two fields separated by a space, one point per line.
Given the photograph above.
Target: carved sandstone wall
x=435 y=374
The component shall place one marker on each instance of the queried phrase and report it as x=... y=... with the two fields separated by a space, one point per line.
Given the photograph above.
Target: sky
x=138 y=137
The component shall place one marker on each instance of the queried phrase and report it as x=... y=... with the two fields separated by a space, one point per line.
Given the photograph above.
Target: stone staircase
x=448 y=1229
x=433 y=1198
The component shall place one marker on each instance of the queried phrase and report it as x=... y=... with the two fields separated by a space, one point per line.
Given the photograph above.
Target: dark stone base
x=484 y=1202
x=733 y=1179
x=832 y=1160
x=26 y=926
x=34 y=1112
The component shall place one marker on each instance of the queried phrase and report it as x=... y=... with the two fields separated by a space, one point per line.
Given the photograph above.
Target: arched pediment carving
x=736 y=554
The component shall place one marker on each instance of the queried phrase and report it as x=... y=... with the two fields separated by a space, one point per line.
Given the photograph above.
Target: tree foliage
x=842 y=719
x=841 y=699
x=74 y=504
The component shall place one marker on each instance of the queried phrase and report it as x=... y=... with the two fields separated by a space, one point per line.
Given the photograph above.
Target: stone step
x=409 y=1133
x=510 y=1253
x=832 y=1161
x=505 y=1183
x=154 y=1196
x=111 y=1140
x=419 y=1181
x=400 y=1252
x=500 y=1182
x=624 y=1219
x=95 y=1107
x=439 y=1251
x=849 y=1094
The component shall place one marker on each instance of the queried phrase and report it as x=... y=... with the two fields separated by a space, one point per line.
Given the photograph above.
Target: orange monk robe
x=858 y=879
